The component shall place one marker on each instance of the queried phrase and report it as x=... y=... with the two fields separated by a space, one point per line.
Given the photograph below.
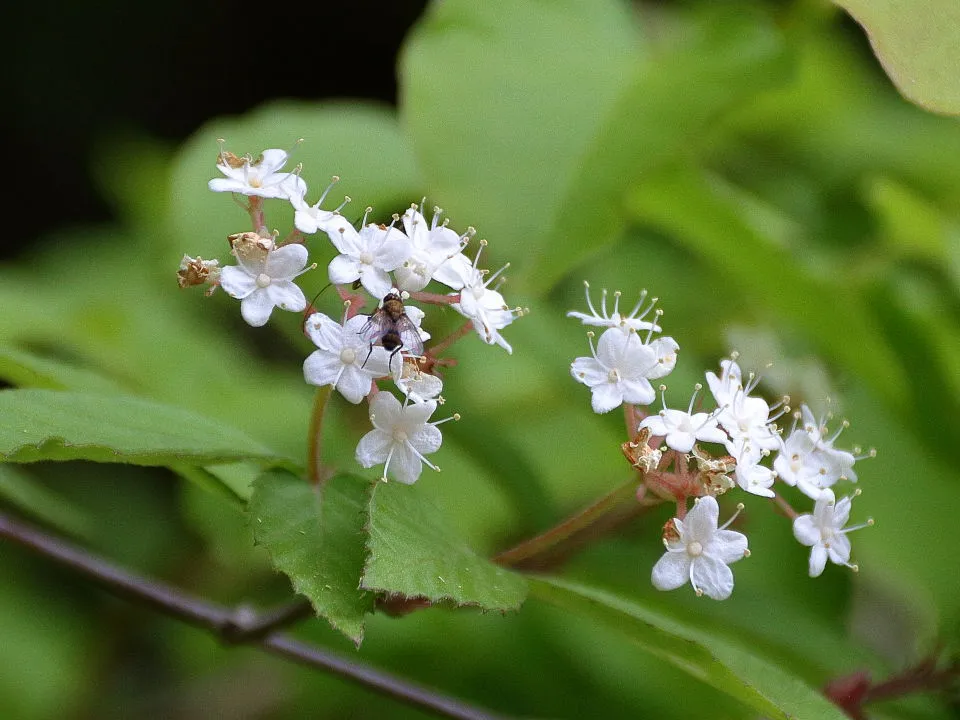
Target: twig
x=235 y=625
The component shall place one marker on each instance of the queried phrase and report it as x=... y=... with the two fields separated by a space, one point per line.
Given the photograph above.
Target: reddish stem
x=435 y=298
x=318 y=472
x=445 y=344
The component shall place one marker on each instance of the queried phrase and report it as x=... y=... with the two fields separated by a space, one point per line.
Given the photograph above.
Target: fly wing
x=409 y=336
x=376 y=327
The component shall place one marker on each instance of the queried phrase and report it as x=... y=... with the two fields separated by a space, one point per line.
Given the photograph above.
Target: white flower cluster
x=744 y=426
x=393 y=264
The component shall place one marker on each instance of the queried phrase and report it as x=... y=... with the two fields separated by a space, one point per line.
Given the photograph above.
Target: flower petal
x=728 y=546
x=806 y=531
x=236 y=282
x=321 y=368
x=671 y=571
x=256 y=308
x=713 y=577
x=426 y=438
x=405 y=465
x=818 y=560
x=285 y=262
x=606 y=397
x=373 y=448
x=286 y=295
x=325 y=332
x=701 y=522
x=354 y=383
x=343 y=269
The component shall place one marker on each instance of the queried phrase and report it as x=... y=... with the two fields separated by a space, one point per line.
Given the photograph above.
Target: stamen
x=733 y=517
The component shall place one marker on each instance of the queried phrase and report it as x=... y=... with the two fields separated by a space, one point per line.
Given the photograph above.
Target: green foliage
x=315 y=535
x=918 y=42
x=725 y=665
x=49 y=425
x=414 y=552
x=747 y=164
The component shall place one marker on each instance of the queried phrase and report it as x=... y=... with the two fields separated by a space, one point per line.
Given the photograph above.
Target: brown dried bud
x=197 y=271
x=250 y=246
x=670 y=532
x=639 y=454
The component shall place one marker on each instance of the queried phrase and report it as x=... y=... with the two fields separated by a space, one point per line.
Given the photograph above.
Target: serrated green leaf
x=918 y=44
x=23 y=491
x=416 y=553
x=48 y=425
x=316 y=537
x=718 y=662
x=597 y=116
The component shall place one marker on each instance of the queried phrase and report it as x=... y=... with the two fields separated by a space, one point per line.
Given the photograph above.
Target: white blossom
x=263 y=279
x=258 y=177
x=311 y=218
x=618 y=370
x=682 y=429
x=343 y=359
x=432 y=245
x=634 y=320
x=808 y=459
x=367 y=255
x=699 y=552
x=824 y=532
x=400 y=439
x=480 y=303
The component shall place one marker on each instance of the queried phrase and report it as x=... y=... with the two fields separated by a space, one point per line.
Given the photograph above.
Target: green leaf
x=23 y=491
x=544 y=163
x=718 y=662
x=25 y=369
x=316 y=537
x=416 y=553
x=918 y=44
x=48 y=425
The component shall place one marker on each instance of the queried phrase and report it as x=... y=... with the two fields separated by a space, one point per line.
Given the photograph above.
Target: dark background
x=79 y=72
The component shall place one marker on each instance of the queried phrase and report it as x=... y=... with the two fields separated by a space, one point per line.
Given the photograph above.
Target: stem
x=257 y=218
x=450 y=339
x=435 y=298
x=785 y=506
x=541 y=545
x=318 y=473
x=239 y=625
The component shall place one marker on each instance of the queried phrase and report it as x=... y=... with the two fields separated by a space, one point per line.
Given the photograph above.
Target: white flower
x=633 y=321
x=263 y=280
x=433 y=244
x=367 y=255
x=400 y=438
x=682 y=429
x=699 y=552
x=618 y=370
x=824 y=532
x=417 y=385
x=753 y=477
x=808 y=459
x=343 y=360
x=484 y=306
x=310 y=218
x=621 y=368
x=725 y=387
x=257 y=177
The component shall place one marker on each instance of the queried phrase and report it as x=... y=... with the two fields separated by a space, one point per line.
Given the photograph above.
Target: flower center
x=399 y=437
x=348 y=356
x=826 y=535
x=263 y=280
x=478 y=291
x=695 y=549
x=613 y=375
x=254 y=182
x=366 y=258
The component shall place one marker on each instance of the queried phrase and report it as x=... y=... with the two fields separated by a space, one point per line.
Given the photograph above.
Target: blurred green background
x=748 y=163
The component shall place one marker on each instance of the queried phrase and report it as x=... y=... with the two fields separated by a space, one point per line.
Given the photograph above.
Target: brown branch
x=235 y=625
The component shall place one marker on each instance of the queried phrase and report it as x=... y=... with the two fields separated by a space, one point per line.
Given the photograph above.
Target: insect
x=391 y=327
